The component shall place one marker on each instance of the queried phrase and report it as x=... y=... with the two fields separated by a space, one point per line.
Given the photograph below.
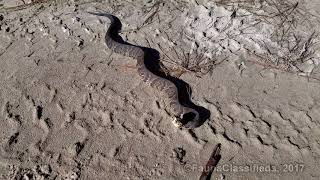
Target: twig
x=212 y=163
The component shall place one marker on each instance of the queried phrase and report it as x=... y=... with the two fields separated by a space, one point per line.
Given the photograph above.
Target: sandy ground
x=70 y=110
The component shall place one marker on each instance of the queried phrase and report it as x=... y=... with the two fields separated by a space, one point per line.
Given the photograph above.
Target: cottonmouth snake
x=184 y=117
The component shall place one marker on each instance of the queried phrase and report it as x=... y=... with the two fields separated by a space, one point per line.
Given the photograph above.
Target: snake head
x=189 y=119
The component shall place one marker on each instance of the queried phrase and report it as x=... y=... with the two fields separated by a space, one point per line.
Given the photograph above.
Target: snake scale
x=184 y=117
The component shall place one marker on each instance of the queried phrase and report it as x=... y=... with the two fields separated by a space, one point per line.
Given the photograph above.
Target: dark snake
x=184 y=117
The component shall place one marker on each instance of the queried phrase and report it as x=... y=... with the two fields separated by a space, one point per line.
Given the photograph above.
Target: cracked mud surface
x=70 y=110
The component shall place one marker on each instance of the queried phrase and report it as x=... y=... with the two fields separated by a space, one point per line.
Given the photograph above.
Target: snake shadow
x=152 y=62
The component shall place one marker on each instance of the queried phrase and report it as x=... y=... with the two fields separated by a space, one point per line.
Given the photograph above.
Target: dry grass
x=196 y=61
x=287 y=17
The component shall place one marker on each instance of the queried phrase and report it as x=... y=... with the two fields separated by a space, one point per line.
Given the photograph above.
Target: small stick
x=211 y=164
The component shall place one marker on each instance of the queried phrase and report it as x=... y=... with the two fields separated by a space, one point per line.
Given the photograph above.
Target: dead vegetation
x=291 y=48
x=292 y=44
x=294 y=47
x=179 y=61
x=178 y=57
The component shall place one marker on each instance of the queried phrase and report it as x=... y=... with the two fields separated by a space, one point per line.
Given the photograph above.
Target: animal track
x=65 y=114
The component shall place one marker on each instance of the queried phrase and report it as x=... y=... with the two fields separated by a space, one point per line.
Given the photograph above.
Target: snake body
x=183 y=116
